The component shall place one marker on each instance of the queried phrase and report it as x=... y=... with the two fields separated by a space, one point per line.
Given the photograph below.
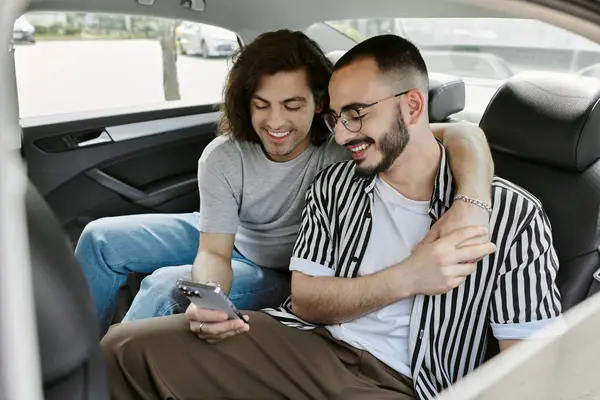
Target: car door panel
x=136 y=163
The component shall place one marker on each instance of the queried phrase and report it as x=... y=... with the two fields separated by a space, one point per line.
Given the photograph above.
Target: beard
x=391 y=146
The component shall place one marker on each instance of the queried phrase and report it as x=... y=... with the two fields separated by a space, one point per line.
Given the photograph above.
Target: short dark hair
x=268 y=54
x=394 y=55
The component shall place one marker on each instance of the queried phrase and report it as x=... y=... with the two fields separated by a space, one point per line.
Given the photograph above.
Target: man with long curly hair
x=253 y=180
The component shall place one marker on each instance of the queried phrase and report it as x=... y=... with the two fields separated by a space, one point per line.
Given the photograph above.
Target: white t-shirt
x=399 y=224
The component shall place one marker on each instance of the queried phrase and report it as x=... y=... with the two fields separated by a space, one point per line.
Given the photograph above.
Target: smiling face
x=383 y=133
x=282 y=110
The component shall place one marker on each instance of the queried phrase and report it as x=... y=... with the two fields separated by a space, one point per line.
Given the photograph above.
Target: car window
x=482 y=51
x=71 y=62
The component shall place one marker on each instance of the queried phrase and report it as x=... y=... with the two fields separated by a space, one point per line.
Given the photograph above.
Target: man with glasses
x=374 y=312
x=252 y=181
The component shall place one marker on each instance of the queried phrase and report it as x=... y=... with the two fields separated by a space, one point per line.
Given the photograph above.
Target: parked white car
x=205 y=40
x=23 y=31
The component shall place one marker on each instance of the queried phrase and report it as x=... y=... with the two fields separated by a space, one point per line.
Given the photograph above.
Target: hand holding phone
x=211 y=314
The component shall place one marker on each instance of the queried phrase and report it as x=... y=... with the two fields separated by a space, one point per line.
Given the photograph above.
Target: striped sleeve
x=314 y=243
x=526 y=297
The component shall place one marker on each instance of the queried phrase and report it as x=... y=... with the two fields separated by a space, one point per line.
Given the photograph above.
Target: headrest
x=446 y=96
x=446 y=92
x=335 y=55
x=547 y=117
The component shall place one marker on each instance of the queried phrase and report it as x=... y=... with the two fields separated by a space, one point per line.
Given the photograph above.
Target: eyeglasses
x=351 y=117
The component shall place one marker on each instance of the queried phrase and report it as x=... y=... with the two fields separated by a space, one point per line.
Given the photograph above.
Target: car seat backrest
x=68 y=331
x=544 y=132
x=446 y=92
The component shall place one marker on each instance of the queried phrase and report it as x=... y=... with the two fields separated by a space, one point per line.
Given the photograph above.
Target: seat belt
x=595 y=288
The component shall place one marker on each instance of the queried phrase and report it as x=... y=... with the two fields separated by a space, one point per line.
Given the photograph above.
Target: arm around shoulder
x=469 y=156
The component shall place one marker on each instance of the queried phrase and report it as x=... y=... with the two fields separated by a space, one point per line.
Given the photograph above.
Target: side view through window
x=72 y=62
x=313 y=200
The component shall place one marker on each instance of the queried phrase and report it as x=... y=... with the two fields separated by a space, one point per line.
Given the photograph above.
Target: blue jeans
x=163 y=245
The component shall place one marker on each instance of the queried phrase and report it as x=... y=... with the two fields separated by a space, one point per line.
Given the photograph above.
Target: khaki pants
x=160 y=358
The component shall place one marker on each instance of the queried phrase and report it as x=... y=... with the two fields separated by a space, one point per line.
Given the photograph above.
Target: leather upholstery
x=544 y=132
x=553 y=118
x=446 y=96
x=68 y=332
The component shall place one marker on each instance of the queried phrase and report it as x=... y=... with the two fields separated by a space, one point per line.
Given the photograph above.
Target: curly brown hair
x=268 y=54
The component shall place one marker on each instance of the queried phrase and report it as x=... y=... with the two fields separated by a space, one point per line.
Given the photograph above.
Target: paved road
x=68 y=76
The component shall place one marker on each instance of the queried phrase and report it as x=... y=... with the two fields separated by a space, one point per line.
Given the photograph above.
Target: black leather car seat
x=544 y=132
x=68 y=334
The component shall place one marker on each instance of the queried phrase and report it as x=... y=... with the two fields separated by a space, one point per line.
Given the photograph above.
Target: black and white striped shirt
x=512 y=292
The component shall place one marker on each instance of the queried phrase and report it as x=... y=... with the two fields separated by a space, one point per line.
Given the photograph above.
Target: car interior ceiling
x=553 y=152
x=249 y=18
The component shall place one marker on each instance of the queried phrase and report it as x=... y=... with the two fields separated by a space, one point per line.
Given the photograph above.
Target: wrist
x=474 y=202
x=474 y=193
x=224 y=286
x=397 y=281
x=482 y=195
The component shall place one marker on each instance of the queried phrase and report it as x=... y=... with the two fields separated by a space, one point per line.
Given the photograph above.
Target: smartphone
x=208 y=296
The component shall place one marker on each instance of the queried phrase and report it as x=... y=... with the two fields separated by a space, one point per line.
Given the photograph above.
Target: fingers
x=217 y=328
x=473 y=252
x=477 y=240
x=461 y=271
x=214 y=325
x=456 y=275
x=194 y=313
x=456 y=282
x=432 y=236
x=199 y=326
x=225 y=335
x=461 y=235
x=214 y=332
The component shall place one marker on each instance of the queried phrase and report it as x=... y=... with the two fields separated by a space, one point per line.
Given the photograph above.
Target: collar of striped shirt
x=511 y=293
x=443 y=191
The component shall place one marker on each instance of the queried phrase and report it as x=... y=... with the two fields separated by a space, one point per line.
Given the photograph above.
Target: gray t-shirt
x=242 y=192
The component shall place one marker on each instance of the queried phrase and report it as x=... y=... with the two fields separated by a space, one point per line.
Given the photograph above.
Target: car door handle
x=104 y=137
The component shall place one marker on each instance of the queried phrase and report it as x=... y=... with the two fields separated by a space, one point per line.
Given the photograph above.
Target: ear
x=417 y=106
x=319 y=102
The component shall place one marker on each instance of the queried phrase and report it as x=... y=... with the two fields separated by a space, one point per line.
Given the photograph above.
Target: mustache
x=356 y=142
